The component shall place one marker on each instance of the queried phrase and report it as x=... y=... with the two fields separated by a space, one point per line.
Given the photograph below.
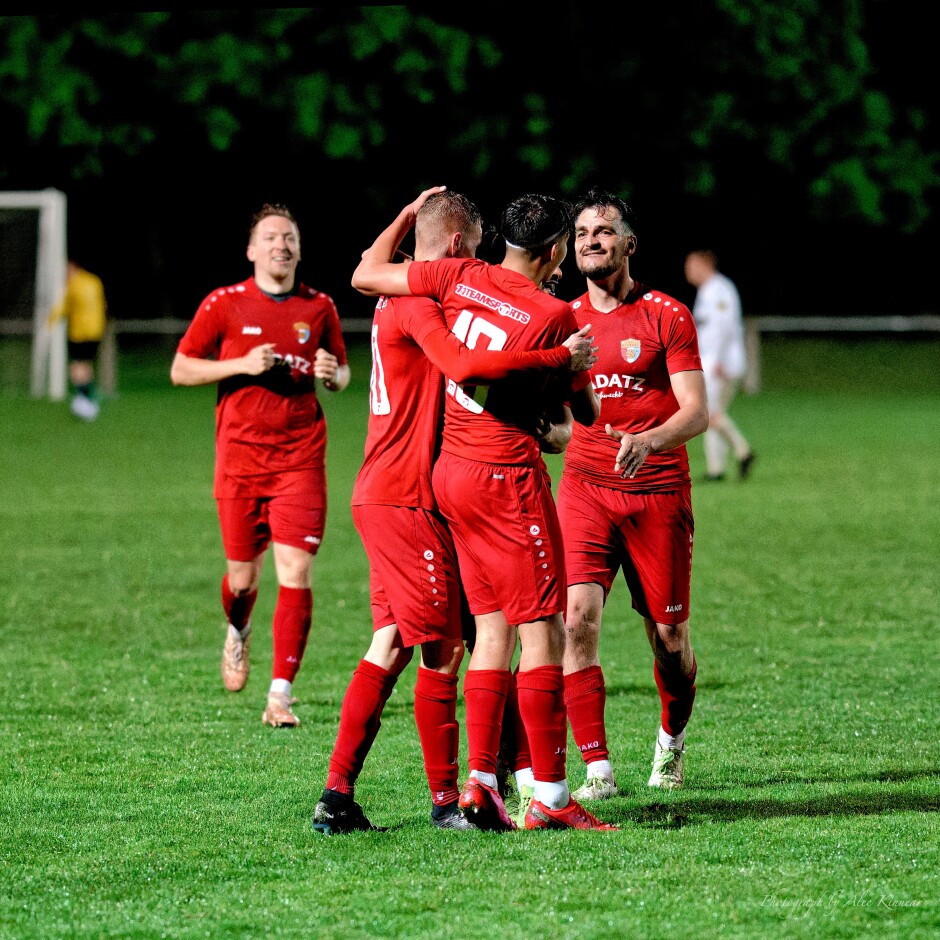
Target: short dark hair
x=601 y=200
x=268 y=209
x=534 y=221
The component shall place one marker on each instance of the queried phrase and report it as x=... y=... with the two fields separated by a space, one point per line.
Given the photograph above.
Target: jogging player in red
x=413 y=574
x=493 y=489
x=624 y=498
x=265 y=342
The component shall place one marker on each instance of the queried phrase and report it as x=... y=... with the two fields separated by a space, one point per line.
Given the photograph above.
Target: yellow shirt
x=85 y=307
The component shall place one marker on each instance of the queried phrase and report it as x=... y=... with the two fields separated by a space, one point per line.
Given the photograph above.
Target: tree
x=787 y=86
x=736 y=122
x=88 y=91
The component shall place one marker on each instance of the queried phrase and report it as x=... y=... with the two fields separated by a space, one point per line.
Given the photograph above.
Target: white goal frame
x=48 y=372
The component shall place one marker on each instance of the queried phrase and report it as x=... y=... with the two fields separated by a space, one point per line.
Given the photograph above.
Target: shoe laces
x=235 y=648
x=666 y=758
x=580 y=814
x=283 y=699
x=585 y=816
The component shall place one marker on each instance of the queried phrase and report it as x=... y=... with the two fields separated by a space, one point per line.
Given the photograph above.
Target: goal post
x=37 y=280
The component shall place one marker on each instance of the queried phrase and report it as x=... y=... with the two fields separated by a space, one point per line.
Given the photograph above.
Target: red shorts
x=648 y=535
x=412 y=572
x=505 y=529
x=249 y=525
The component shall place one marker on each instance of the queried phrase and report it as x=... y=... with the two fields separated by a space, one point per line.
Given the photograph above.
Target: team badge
x=303 y=331
x=630 y=349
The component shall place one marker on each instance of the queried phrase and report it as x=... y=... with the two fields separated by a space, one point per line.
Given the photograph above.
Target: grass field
x=139 y=800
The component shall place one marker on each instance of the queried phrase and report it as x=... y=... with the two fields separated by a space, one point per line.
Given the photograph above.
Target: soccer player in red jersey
x=265 y=342
x=413 y=575
x=624 y=498
x=493 y=489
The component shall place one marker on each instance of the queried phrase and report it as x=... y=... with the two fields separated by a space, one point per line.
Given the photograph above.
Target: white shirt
x=720 y=325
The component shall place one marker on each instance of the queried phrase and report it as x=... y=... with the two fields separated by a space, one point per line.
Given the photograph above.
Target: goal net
x=33 y=256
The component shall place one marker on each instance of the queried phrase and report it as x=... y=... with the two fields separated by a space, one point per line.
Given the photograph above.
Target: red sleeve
x=332 y=337
x=581 y=380
x=681 y=342
x=417 y=281
x=203 y=336
x=425 y=323
x=436 y=278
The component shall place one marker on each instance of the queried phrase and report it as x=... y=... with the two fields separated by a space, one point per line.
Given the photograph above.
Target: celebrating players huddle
x=477 y=369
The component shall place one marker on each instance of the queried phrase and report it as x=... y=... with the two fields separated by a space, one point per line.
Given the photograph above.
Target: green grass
x=140 y=800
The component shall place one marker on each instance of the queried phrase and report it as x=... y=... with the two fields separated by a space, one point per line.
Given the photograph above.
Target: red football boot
x=484 y=807
x=573 y=816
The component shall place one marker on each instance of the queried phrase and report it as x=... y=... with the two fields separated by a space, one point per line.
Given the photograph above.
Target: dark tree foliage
x=723 y=120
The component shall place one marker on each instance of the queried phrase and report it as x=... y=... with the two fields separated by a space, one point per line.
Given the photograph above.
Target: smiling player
x=265 y=342
x=624 y=498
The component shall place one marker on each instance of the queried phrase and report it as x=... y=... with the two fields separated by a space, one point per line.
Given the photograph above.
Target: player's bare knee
x=442 y=655
x=583 y=631
x=399 y=660
x=493 y=650
x=243 y=579
x=387 y=652
x=671 y=638
x=583 y=618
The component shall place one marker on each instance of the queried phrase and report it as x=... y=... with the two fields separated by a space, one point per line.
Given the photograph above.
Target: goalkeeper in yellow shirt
x=85 y=308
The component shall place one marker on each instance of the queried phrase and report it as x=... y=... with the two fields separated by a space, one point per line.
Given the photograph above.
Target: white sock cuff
x=600 y=768
x=554 y=794
x=670 y=742
x=483 y=777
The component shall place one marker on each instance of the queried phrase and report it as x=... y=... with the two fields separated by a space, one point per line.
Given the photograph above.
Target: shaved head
x=443 y=215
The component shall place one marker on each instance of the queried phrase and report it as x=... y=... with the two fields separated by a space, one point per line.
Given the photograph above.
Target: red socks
x=677 y=694
x=237 y=609
x=359 y=723
x=484 y=692
x=436 y=718
x=542 y=706
x=292 y=616
x=585 y=698
x=514 y=742
x=291 y=627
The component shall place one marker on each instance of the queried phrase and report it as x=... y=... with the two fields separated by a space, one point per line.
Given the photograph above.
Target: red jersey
x=640 y=344
x=412 y=349
x=486 y=304
x=267 y=426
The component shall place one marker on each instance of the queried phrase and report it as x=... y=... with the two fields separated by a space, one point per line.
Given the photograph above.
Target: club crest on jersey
x=303 y=331
x=630 y=349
